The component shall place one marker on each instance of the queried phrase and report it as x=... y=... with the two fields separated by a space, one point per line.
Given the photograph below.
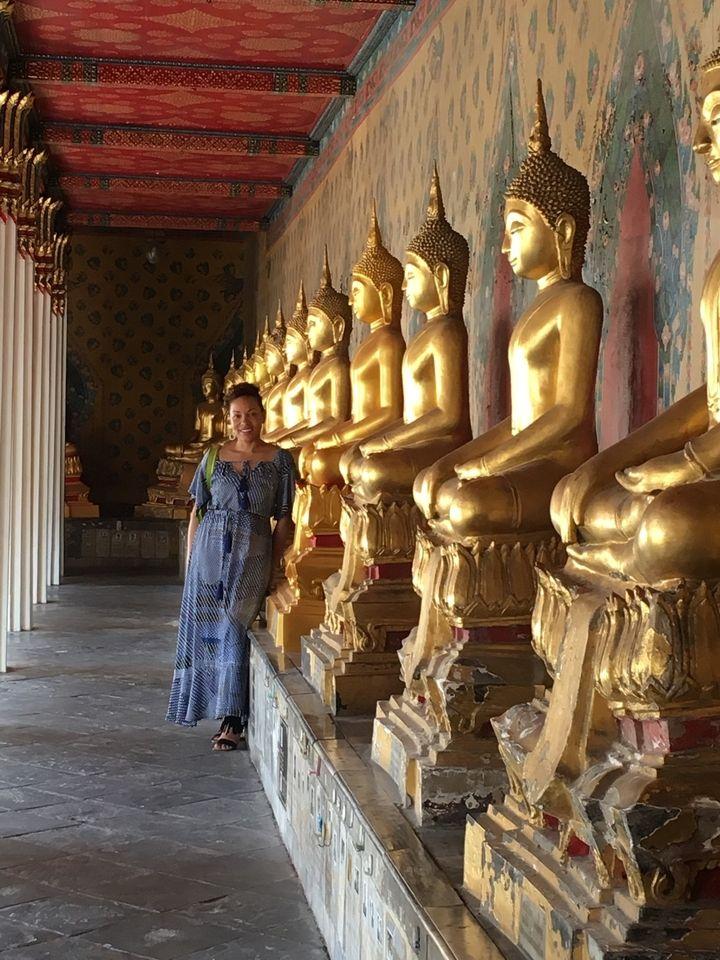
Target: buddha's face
x=274 y=360
x=420 y=285
x=295 y=347
x=707 y=135
x=259 y=368
x=529 y=243
x=320 y=331
x=365 y=300
x=209 y=389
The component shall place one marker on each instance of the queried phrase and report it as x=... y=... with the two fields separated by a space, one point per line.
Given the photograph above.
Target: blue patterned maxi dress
x=228 y=573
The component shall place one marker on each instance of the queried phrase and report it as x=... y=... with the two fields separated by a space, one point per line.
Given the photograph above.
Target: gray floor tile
x=124 y=837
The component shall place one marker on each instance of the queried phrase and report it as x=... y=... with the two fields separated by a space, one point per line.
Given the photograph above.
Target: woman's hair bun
x=244 y=390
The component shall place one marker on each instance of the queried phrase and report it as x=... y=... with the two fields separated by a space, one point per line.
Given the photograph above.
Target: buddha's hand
x=373 y=445
x=472 y=469
x=670 y=470
x=324 y=443
x=570 y=499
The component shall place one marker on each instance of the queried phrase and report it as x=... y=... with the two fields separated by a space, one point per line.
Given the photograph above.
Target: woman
x=234 y=559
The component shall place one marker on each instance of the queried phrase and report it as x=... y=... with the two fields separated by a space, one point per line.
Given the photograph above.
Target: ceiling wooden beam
x=119 y=183
x=173 y=74
x=160 y=221
x=173 y=140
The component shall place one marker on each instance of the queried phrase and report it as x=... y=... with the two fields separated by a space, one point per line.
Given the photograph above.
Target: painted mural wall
x=143 y=316
x=456 y=82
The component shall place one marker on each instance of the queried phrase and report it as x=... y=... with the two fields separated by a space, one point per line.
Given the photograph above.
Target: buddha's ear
x=441 y=272
x=338 y=324
x=386 y=295
x=565 y=228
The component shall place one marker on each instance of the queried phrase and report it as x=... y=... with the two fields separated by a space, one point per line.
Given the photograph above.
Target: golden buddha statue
x=615 y=772
x=299 y=361
x=503 y=480
x=169 y=497
x=436 y=417
x=260 y=371
x=376 y=368
x=351 y=659
x=247 y=369
x=327 y=396
x=277 y=373
x=487 y=504
x=209 y=419
x=316 y=548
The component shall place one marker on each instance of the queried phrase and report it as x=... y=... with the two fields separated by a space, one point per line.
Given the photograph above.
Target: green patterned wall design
x=139 y=336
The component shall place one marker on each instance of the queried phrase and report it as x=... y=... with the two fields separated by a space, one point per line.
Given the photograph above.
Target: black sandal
x=223 y=744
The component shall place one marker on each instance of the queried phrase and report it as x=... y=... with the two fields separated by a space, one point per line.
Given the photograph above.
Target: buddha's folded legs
x=614 y=514
x=679 y=535
x=321 y=467
x=391 y=474
x=517 y=500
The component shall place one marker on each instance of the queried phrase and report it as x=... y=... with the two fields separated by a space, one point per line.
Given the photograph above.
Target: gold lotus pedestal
x=168 y=499
x=609 y=836
x=316 y=551
x=77 y=493
x=352 y=658
x=468 y=659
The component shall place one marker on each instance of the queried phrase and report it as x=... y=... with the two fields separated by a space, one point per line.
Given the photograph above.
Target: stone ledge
x=375 y=887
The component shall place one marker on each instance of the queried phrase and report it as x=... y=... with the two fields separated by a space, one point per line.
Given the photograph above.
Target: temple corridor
x=122 y=836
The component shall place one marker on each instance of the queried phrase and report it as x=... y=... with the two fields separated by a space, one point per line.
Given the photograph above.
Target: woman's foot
x=226 y=741
x=229 y=735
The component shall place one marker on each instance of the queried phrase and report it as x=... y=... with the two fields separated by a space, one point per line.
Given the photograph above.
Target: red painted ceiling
x=100 y=69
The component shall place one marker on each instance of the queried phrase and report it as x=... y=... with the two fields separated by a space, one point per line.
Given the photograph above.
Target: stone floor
x=122 y=836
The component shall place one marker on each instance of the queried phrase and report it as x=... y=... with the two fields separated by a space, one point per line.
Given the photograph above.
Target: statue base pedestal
x=468 y=659
x=168 y=499
x=541 y=888
x=316 y=552
x=608 y=842
x=354 y=663
x=443 y=758
x=351 y=659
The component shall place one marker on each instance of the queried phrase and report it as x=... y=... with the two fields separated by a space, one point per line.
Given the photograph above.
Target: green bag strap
x=212 y=459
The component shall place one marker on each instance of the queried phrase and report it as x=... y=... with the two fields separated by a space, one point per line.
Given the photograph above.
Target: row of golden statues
x=555 y=609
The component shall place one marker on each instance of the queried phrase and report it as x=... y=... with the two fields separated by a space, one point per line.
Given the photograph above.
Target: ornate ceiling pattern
x=188 y=114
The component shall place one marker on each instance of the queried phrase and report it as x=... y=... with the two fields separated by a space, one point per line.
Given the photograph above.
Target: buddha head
x=377 y=278
x=547 y=210
x=274 y=347
x=210 y=383
x=707 y=135
x=437 y=261
x=259 y=363
x=247 y=368
x=296 y=346
x=329 y=315
x=232 y=376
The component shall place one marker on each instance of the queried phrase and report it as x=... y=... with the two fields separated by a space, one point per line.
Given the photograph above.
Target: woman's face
x=246 y=419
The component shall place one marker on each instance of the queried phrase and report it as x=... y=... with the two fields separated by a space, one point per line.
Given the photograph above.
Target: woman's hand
x=277 y=575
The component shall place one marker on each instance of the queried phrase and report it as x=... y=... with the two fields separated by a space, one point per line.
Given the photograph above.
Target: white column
x=29 y=504
x=37 y=325
x=51 y=425
x=58 y=452
x=15 y=445
x=62 y=435
x=42 y=564
x=7 y=274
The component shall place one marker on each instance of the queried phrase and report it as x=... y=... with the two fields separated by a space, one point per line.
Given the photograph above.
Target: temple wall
x=139 y=336
x=457 y=82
